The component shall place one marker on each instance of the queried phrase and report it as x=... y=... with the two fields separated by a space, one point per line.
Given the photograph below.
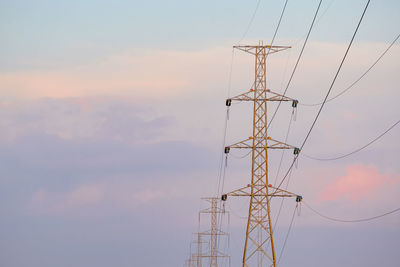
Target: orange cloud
x=359 y=182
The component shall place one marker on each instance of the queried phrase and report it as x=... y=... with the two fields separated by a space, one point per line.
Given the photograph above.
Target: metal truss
x=259 y=249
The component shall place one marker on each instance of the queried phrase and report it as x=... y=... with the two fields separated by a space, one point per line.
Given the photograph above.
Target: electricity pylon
x=259 y=249
x=214 y=234
x=195 y=259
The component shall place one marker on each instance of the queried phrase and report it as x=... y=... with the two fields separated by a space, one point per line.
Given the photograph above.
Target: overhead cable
x=277 y=27
x=251 y=21
x=350 y=221
x=316 y=22
x=327 y=94
x=357 y=150
x=297 y=62
x=283 y=150
x=282 y=201
x=221 y=163
x=362 y=76
x=287 y=235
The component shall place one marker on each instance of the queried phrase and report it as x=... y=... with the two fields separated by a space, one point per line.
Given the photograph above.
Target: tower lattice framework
x=259 y=248
x=208 y=241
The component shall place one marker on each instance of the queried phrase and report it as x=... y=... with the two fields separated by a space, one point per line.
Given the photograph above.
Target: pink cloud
x=138 y=73
x=359 y=182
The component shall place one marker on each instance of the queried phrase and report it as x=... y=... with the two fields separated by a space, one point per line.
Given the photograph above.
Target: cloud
x=359 y=182
x=83 y=196
x=158 y=73
x=139 y=73
x=112 y=118
x=94 y=197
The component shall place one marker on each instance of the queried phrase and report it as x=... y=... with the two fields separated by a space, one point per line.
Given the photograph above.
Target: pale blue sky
x=54 y=33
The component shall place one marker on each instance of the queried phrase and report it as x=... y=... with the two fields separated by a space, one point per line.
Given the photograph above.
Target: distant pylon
x=259 y=249
x=199 y=250
x=214 y=234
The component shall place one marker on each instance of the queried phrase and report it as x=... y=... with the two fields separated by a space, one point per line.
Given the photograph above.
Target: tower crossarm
x=249 y=96
x=246 y=192
x=251 y=49
x=260 y=143
x=219 y=232
x=217 y=210
x=220 y=255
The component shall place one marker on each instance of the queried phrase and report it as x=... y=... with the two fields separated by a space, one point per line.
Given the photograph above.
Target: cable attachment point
x=299 y=199
x=224 y=197
x=296 y=151
x=294 y=111
x=228 y=102
x=227 y=149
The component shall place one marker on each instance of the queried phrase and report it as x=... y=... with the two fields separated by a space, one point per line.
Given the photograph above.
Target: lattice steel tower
x=259 y=249
x=214 y=232
x=208 y=241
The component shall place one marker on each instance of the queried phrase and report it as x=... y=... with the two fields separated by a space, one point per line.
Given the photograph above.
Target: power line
x=316 y=22
x=362 y=76
x=357 y=150
x=283 y=151
x=297 y=62
x=287 y=235
x=254 y=15
x=277 y=27
x=225 y=126
x=351 y=221
x=251 y=21
x=327 y=94
x=275 y=32
x=282 y=200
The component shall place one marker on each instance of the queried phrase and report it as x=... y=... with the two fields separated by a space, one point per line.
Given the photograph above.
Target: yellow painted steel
x=259 y=248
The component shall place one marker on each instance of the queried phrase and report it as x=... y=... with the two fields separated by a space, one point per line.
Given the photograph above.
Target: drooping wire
x=275 y=32
x=287 y=234
x=316 y=22
x=336 y=75
x=362 y=76
x=278 y=171
x=250 y=22
x=221 y=163
x=230 y=73
x=358 y=149
x=350 y=221
x=327 y=94
x=297 y=63
x=283 y=151
x=277 y=27
x=282 y=201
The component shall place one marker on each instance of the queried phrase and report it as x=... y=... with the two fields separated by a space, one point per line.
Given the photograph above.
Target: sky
x=113 y=113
